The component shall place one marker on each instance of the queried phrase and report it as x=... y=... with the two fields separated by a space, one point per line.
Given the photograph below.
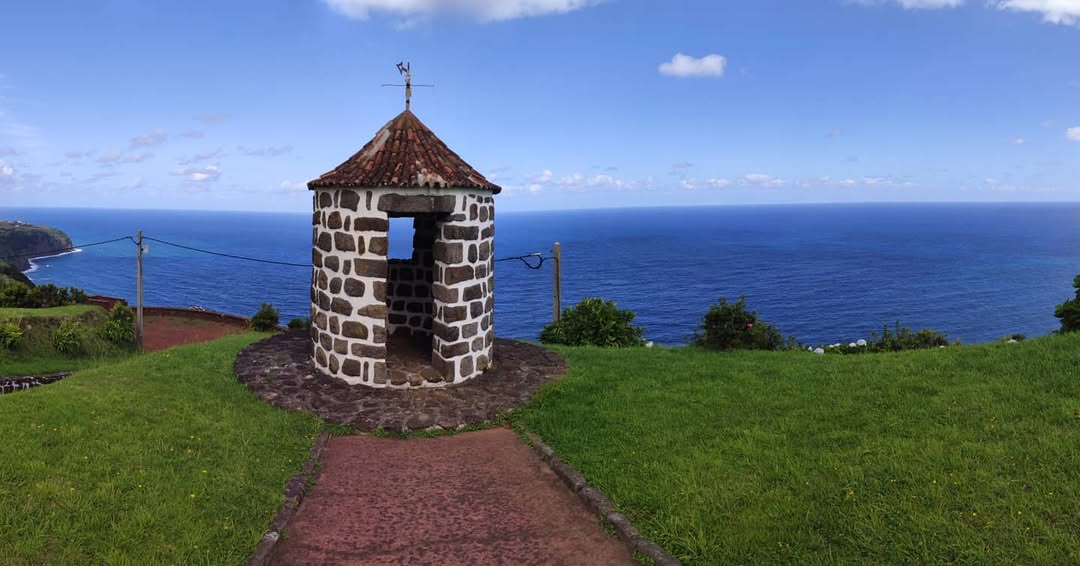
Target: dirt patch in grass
x=161 y=331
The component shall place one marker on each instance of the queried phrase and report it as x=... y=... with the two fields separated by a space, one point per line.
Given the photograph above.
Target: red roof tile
x=406 y=154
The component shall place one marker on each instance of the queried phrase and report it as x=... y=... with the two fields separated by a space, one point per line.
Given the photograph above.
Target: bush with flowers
x=731 y=326
x=897 y=339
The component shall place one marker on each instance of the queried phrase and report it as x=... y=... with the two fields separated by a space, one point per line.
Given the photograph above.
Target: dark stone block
x=316 y=258
x=411 y=204
x=449 y=253
x=320 y=320
x=341 y=346
x=374 y=311
x=444 y=293
x=466 y=366
x=481 y=271
x=320 y=357
x=380 y=291
x=485 y=212
x=333 y=221
x=341 y=306
x=326 y=341
x=352 y=368
x=473 y=212
x=453 y=275
x=472 y=293
x=335 y=285
x=454 y=232
x=325 y=242
x=414 y=307
x=325 y=200
x=395 y=318
x=487 y=232
x=335 y=325
x=469 y=330
x=472 y=253
x=367 y=200
x=332 y=262
x=324 y=301
x=485 y=251
x=316 y=218
x=378 y=334
x=354 y=287
x=351 y=329
x=444 y=332
x=344 y=242
x=485 y=322
x=346 y=267
x=370 y=267
x=455 y=314
x=478 y=344
x=349 y=199
x=476 y=309
x=378 y=245
x=397 y=305
x=368 y=351
x=403 y=290
x=454 y=350
x=321 y=280
x=415 y=321
x=482 y=362
x=334 y=363
x=370 y=224
x=348 y=223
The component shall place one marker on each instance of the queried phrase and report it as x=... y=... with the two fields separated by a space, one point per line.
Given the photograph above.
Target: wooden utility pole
x=556 y=287
x=138 y=293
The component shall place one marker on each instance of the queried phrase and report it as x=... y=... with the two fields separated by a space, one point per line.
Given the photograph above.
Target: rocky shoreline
x=20 y=242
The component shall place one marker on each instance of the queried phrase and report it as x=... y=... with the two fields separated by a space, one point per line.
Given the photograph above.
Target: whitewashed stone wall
x=350 y=295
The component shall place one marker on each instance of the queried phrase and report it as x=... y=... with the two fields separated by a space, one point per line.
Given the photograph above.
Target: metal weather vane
x=405 y=68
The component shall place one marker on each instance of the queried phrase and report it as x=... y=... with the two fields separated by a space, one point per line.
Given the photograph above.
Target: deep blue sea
x=823 y=273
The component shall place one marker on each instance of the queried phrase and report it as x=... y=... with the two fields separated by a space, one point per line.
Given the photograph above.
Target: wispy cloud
x=762 y=180
x=193 y=134
x=111 y=156
x=833 y=133
x=205 y=174
x=270 y=151
x=682 y=165
x=1065 y=12
x=685 y=66
x=6 y=151
x=480 y=10
x=76 y=154
x=913 y=4
x=156 y=136
x=1019 y=141
x=200 y=156
x=1073 y=134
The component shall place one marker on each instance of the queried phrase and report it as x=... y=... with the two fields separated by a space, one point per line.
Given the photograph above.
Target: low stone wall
x=13 y=384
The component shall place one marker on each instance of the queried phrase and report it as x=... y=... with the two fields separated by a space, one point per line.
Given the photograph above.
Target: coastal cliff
x=19 y=242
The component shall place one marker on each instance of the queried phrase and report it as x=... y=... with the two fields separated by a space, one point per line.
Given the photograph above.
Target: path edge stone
x=295 y=490
x=599 y=504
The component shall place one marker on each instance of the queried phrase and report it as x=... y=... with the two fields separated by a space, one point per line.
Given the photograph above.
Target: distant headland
x=19 y=242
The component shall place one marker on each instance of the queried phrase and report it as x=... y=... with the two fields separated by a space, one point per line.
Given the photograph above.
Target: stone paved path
x=471 y=499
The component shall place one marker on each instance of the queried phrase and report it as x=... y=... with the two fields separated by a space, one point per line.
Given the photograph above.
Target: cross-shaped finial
x=405 y=69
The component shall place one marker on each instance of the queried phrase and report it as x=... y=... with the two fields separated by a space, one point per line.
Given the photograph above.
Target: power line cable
x=245 y=258
x=525 y=259
x=71 y=249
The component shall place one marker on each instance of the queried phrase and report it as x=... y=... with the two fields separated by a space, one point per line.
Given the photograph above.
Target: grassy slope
x=964 y=454
x=70 y=311
x=36 y=354
x=163 y=458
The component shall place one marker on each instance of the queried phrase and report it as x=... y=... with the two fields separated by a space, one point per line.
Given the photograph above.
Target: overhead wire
x=70 y=249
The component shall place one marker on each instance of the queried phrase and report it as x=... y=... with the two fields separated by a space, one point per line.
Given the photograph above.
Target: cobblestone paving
x=279 y=369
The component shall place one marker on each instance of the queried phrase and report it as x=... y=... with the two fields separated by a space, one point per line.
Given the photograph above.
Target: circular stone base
x=279 y=370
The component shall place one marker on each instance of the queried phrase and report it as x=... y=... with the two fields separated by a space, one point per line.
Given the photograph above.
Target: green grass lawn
x=37 y=355
x=70 y=311
x=162 y=458
x=967 y=454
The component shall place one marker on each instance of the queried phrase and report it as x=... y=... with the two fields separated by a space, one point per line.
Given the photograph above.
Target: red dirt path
x=161 y=332
x=473 y=498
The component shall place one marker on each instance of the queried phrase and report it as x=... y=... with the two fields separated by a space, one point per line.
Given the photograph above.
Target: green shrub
x=67 y=339
x=898 y=339
x=11 y=336
x=45 y=296
x=266 y=319
x=299 y=323
x=1069 y=311
x=730 y=326
x=120 y=327
x=594 y=322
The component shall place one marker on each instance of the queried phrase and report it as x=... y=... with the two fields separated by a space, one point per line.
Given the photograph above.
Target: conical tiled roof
x=406 y=154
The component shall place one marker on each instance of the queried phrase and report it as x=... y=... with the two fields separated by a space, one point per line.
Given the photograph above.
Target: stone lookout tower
x=425 y=321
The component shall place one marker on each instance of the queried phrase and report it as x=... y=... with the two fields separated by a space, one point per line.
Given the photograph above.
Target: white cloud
x=7 y=172
x=914 y=4
x=762 y=180
x=136 y=183
x=154 y=137
x=111 y=156
x=685 y=66
x=1019 y=141
x=834 y=133
x=291 y=186
x=200 y=156
x=137 y=158
x=1073 y=134
x=1054 y=11
x=198 y=174
x=271 y=151
x=717 y=183
x=481 y=10
x=682 y=165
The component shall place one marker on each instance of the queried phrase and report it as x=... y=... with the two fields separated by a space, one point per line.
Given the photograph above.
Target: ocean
x=822 y=273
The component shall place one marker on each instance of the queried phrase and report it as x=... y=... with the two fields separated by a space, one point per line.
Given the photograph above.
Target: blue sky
x=566 y=103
